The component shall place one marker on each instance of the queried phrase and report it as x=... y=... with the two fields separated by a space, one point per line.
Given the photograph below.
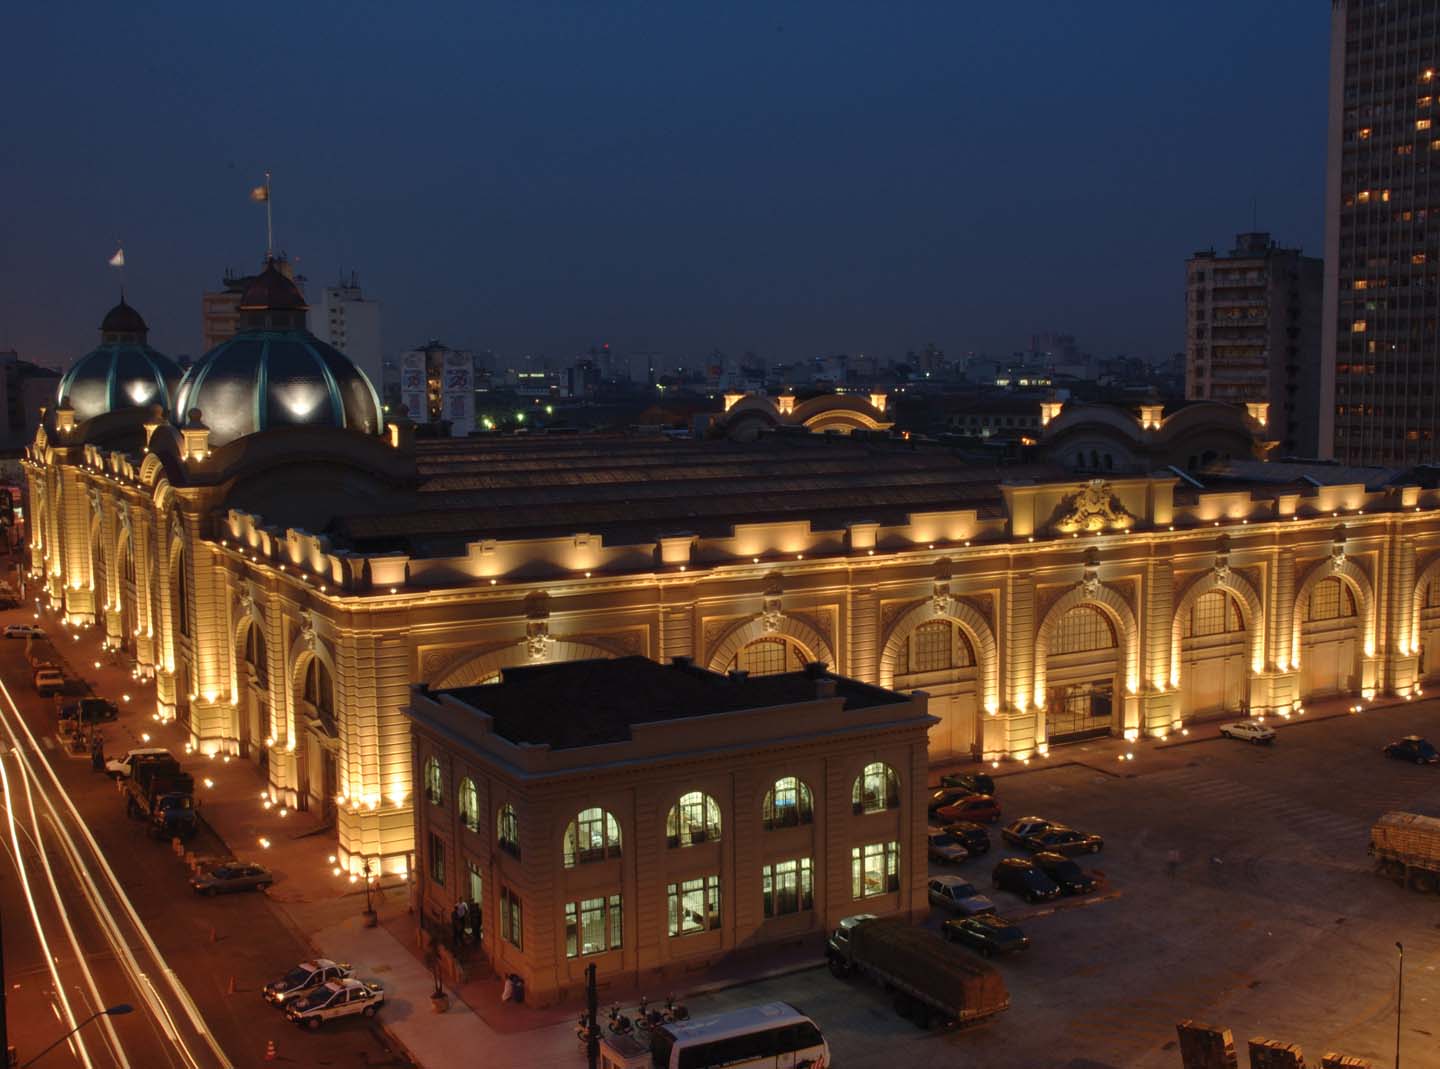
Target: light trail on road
x=150 y=983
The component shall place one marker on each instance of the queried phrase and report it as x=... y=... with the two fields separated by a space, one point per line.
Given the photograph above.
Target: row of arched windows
x=594 y=834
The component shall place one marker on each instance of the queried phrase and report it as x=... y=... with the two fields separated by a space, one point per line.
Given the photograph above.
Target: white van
x=775 y=1035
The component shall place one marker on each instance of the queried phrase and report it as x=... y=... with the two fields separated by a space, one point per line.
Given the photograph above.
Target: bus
x=774 y=1036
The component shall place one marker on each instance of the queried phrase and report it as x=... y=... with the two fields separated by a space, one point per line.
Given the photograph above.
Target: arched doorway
x=180 y=631
x=1082 y=675
x=770 y=656
x=1330 y=640
x=315 y=708
x=129 y=616
x=255 y=726
x=1214 y=657
x=1427 y=637
x=938 y=658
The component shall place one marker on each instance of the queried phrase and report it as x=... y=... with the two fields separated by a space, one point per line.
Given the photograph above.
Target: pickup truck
x=124 y=767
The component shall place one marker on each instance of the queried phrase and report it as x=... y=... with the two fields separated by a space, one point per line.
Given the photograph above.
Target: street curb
x=1081 y=903
x=745 y=981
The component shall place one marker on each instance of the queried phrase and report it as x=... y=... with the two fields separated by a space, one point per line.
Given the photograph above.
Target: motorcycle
x=619 y=1024
x=675 y=1011
x=582 y=1031
x=646 y=1018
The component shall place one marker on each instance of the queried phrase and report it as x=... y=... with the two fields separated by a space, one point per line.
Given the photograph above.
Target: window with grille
x=1215 y=613
x=876 y=789
x=1331 y=600
x=437 y=858
x=255 y=656
x=434 y=790
x=769 y=656
x=874 y=869
x=694 y=905
x=593 y=926
x=936 y=646
x=788 y=804
x=1082 y=629
x=469 y=804
x=695 y=818
x=787 y=887
x=594 y=835
x=511 y=917
x=507 y=830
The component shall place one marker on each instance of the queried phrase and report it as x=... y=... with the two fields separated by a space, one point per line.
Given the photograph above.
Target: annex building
x=286 y=561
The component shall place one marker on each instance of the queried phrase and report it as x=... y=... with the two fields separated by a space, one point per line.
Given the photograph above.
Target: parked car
x=1017 y=831
x=338 y=998
x=986 y=933
x=974 y=782
x=1249 y=730
x=975 y=807
x=944 y=796
x=1073 y=880
x=89 y=710
x=973 y=837
x=49 y=681
x=306 y=976
x=1023 y=877
x=232 y=876
x=953 y=893
x=1413 y=748
x=24 y=631
x=942 y=846
x=1063 y=840
x=124 y=767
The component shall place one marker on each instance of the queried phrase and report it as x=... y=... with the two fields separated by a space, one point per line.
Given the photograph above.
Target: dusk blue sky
x=796 y=178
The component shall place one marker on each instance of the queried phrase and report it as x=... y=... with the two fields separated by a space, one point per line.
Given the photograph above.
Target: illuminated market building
x=286 y=565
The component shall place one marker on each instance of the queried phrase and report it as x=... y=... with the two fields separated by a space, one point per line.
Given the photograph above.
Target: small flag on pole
x=118 y=260
x=260 y=193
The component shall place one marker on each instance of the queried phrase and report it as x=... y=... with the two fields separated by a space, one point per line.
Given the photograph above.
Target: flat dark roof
x=587 y=703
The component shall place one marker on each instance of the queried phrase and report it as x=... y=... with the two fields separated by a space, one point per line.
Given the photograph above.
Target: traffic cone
x=270 y=1052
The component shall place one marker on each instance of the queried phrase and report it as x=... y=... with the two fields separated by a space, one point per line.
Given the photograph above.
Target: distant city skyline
x=802 y=182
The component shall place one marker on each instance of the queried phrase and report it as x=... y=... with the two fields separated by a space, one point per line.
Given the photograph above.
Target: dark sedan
x=1413 y=748
x=1017 y=831
x=1073 y=880
x=973 y=837
x=1023 y=877
x=1062 y=840
x=986 y=933
x=974 y=782
x=232 y=876
x=945 y=796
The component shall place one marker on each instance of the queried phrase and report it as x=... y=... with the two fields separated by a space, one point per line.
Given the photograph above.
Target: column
x=1401 y=647
x=1160 y=711
x=1019 y=726
x=864 y=656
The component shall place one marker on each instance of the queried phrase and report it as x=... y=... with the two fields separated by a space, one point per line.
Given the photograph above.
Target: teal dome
x=275 y=373
x=124 y=372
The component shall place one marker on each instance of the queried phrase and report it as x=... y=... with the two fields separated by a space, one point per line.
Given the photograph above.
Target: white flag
x=118 y=260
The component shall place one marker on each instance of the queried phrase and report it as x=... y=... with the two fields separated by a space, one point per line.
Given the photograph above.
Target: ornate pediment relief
x=1094 y=507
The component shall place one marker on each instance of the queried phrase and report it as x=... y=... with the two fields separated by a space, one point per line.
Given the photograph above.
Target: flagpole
x=269 y=228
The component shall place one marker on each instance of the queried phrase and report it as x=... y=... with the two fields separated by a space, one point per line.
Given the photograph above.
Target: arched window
x=877 y=789
x=935 y=646
x=1214 y=613
x=127 y=561
x=434 y=787
x=1330 y=600
x=507 y=830
x=594 y=835
x=182 y=594
x=788 y=804
x=769 y=656
x=469 y=804
x=320 y=693
x=1082 y=629
x=255 y=655
x=693 y=819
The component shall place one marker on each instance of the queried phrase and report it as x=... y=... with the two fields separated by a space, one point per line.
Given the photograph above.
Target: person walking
x=457 y=922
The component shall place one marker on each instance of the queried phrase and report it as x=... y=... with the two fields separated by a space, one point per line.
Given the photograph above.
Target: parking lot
x=1271 y=924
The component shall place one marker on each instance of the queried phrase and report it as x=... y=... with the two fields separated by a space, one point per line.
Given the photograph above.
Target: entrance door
x=1080 y=711
x=1328 y=668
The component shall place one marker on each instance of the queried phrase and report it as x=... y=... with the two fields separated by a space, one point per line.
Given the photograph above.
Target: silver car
x=960 y=896
x=232 y=876
x=338 y=998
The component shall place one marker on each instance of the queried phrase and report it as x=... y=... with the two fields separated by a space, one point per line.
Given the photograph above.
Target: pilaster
x=864 y=634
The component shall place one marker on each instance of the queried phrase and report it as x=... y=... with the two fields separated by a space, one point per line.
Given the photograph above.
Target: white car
x=338 y=998
x=122 y=767
x=24 y=631
x=1249 y=730
x=306 y=977
x=942 y=846
x=954 y=893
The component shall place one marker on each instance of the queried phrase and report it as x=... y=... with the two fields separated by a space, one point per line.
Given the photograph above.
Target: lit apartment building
x=1253 y=325
x=1380 y=392
x=350 y=321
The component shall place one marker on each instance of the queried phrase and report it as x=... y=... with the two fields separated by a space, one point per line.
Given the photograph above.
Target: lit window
x=1423 y=102
x=1427 y=75
x=437 y=858
x=594 y=835
x=434 y=791
x=1422 y=124
x=694 y=905
x=469 y=804
x=876 y=789
x=511 y=917
x=1330 y=600
x=593 y=926
x=1385 y=196
x=788 y=804
x=507 y=830
x=787 y=887
x=1363 y=133
x=874 y=869
x=1363 y=196
x=1417 y=258
x=695 y=818
x=1357 y=327
x=1361 y=284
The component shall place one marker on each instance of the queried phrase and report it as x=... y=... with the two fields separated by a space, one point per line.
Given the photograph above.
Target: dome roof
x=124 y=372
x=262 y=379
x=271 y=291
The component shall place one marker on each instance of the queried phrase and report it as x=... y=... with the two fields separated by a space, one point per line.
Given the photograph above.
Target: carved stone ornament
x=1222 y=567
x=1337 y=557
x=1094 y=507
x=247 y=601
x=1090 y=584
x=125 y=518
x=771 y=615
x=307 y=630
x=537 y=639
x=942 y=603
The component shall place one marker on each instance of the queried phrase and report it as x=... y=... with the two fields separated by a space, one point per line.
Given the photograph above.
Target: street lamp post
x=371 y=919
x=110 y=1011
x=1399 y=998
